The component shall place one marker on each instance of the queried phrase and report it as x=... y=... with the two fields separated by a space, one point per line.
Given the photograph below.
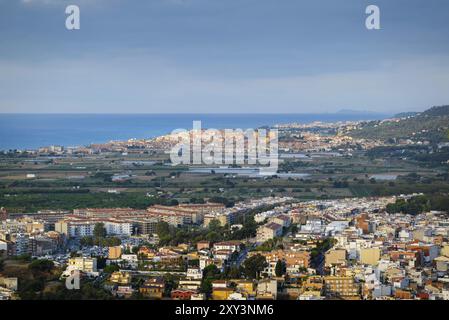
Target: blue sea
x=31 y=131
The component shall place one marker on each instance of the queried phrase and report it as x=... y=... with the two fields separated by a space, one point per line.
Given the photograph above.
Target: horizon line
x=202 y=113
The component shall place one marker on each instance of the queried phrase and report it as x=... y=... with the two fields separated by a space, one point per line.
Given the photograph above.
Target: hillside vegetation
x=431 y=125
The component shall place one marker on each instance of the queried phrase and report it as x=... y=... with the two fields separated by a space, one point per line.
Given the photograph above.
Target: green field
x=78 y=182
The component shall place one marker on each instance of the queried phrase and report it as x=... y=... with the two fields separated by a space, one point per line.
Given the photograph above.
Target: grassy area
x=337 y=177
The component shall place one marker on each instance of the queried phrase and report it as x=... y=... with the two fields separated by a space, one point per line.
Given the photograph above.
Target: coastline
x=32 y=131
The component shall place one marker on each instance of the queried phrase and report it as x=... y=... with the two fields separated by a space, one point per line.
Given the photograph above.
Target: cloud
x=142 y=83
x=88 y=2
x=64 y=2
x=47 y=2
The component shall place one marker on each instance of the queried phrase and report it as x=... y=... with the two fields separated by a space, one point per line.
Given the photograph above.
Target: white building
x=22 y=244
x=227 y=246
x=77 y=227
x=83 y=264
x=194 y=273
x=269 y=231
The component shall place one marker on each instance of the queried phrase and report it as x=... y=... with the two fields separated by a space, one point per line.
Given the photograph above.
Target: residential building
x=153 y=288
x=114 y=253
x=370 y=256
x=182 y=294
x=86 y=265
x=335 y=257
x=341 y=287
x=122 y=278
x=269 y=231
x=267 y=290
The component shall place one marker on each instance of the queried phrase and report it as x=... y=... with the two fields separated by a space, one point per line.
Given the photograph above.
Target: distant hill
x=432 y=125
x=405 y=114
x=363 y=112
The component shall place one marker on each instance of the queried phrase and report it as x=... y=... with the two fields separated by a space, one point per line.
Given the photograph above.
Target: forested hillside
x=431 y=125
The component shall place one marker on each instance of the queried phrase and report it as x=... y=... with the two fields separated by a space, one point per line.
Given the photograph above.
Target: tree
x=214 y=225
x=137 y=296
x=162 y=229
x=234 y=272
x=206 y=287
x=170 y=283
x=197 y=200
x=23 y=257
x=86 y=241
x=101 y=262
x=172 y=202
x=212 y=236
x=99 y=230
x=280 y=268
x=254 y=265
x=268 y=245
x=294 y=228
x=112 y=241
x=211 y=271
x=413 y=206
x=41 y=266
x=111 y=268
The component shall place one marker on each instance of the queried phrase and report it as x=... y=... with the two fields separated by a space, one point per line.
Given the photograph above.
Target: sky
x=223 y=56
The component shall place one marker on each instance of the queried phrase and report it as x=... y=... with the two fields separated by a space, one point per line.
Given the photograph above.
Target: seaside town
x=351 y=248
x=312 y=137
x=355 y=211
x=194 y=159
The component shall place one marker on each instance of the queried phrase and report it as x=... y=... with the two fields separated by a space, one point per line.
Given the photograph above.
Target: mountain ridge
x=431 y=125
